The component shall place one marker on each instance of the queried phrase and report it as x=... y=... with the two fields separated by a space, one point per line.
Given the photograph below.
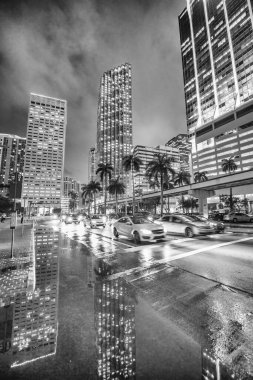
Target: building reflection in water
x=214 y=369
x=115 y=326
x=28 y=323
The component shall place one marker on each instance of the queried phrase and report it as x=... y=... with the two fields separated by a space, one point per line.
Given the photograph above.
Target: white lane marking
x=176 y=257
x=175 y=241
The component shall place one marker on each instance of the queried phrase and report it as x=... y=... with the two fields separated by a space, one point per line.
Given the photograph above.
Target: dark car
x=217 y=226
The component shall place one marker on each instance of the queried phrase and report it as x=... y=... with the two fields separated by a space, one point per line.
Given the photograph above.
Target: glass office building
x=216 y=39
x=114 y=123
x=12 y=157
x=44 y=159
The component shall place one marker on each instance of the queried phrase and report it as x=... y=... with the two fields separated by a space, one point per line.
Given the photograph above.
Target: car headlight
x=146 y=232
x=104 y=219
x=94 y=222
x=213 y=224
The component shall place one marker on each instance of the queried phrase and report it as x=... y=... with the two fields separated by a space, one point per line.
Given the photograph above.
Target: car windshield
x=96 y=217
x=188 y=218
x=199 y=218
x=140 y=220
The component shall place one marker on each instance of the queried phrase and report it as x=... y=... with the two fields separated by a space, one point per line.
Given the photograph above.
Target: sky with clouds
x=61 y=48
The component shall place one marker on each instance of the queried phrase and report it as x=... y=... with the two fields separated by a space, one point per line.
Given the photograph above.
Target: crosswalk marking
x=176 y=257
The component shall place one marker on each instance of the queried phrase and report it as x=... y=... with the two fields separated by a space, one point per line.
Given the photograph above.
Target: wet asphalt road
x=204 y=285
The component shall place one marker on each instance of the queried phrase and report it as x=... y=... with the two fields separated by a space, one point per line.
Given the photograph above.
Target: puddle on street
x=74 y=321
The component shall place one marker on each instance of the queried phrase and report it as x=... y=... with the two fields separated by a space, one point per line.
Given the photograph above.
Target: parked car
x=138 y=228
x=94 y=221
x=184 y=224
x=215 y=225
x=238 y=217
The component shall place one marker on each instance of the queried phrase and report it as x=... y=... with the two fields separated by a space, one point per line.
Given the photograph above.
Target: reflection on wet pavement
x=29 y=315
x=133 y=337
x=115 y=327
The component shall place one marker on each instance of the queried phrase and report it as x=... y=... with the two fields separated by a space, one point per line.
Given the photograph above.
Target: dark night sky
x=61 y=48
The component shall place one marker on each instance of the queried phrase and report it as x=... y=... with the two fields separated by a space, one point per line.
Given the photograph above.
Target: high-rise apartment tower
x=12 y=156
x=44 y=159
x=216 y=45
x=114 y=124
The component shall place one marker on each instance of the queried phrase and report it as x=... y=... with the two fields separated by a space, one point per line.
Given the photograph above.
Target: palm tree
x=159 y=170
x=153 y=184
x=229 y=165
x=87 y=196
x=73 y=199
x=132 y=163
x=93 y=188
x=104 y=171
x=200 y=176
x=182 y=178
x=116 y=188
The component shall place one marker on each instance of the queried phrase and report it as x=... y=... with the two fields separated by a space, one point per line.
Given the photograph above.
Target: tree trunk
x=231 y=199
x=105 y=194
x=116 y=199
x=89 y=207
x=132 y=171
x=161 y=196
x=94 y=203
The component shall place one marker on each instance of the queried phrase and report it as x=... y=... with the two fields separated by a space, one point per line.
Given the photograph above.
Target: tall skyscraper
x=114 y=123
x=181 y=143
x=92 y=164
x=216 y=45
x=12 y=156
x=44 y=159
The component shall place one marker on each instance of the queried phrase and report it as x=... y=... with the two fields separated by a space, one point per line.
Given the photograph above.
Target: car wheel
x=137 y=238
x=115 y=232
x=234 y=220
x=188 y=232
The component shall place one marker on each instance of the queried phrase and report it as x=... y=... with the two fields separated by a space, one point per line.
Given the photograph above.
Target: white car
x=96 y=221
x=138 y=228
x=238 y=217
x=184 y=224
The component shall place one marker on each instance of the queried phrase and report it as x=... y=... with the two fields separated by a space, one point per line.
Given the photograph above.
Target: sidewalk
x=22 y=239
x=17 y=272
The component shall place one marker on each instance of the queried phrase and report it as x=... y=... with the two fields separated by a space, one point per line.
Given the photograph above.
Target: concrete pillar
x=202 y=196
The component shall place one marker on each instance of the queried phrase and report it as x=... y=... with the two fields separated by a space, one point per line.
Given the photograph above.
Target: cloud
x=61 y=48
